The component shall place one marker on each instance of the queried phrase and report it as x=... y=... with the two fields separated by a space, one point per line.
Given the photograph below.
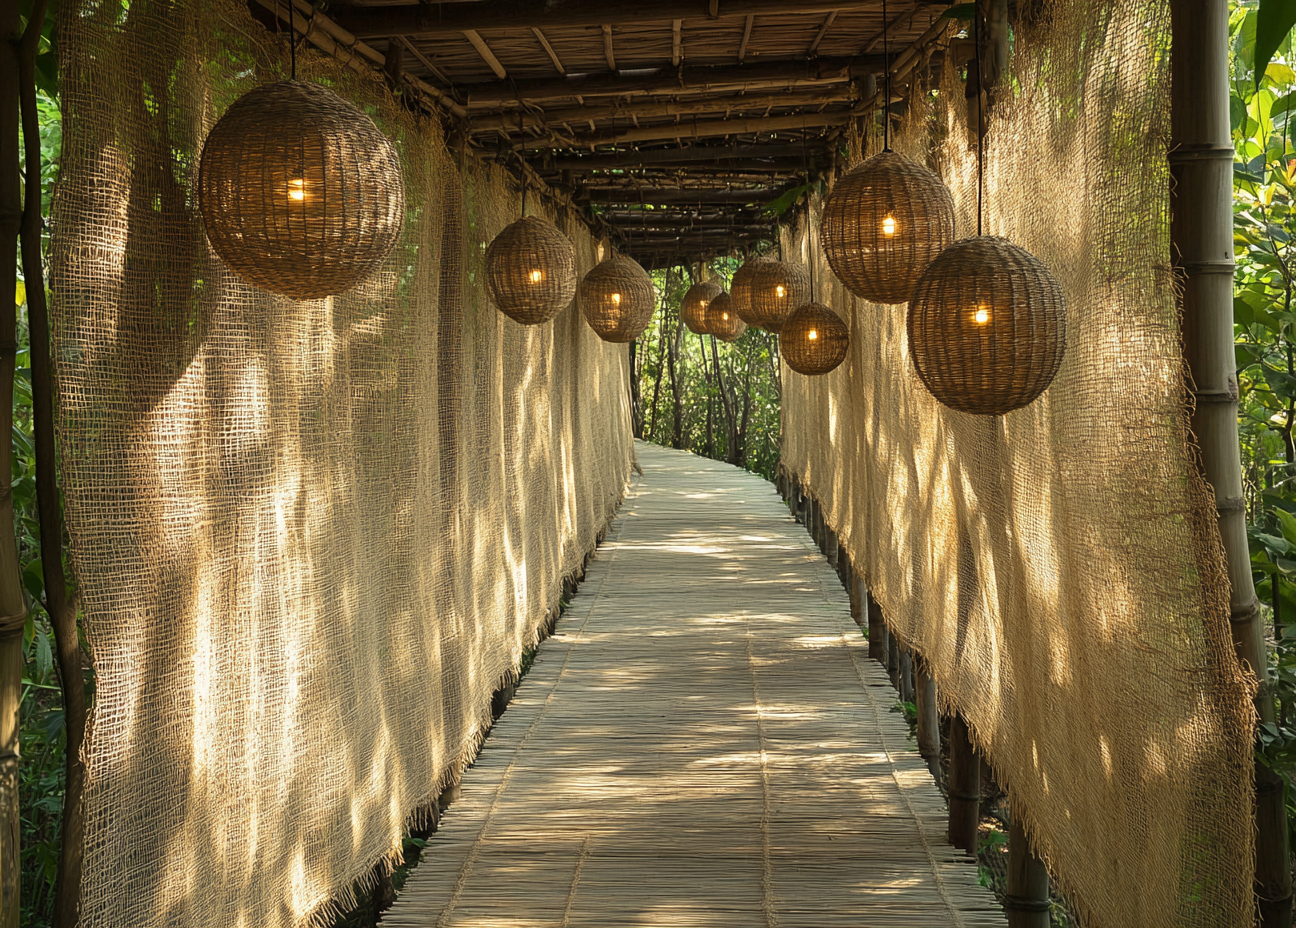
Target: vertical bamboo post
x=877 y=633
x=13 y=610
x=906 y=675
x=858 y=601
x=964 y=788
x=1026 y=900
x=1201 y=248
x=893 y=660
x=830 y=545
x=928 y=719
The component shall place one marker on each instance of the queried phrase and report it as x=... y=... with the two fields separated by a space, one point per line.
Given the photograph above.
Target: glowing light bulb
x=889 y=226
x=780 y=292
x=536 y=276
x=982 y=315
x=724 y=316
x=616 y=299
x=814 y=334
x=297 y=189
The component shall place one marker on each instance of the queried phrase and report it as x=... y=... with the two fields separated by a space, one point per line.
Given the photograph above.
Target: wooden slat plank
x=487 y=55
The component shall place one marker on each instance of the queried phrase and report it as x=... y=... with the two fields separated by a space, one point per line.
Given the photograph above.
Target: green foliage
x=722 y=405
x=1273 y=27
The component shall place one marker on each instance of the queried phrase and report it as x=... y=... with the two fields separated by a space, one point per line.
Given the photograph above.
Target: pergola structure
x=677 y=123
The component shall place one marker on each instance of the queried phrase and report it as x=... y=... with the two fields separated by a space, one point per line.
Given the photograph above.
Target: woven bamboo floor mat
x=703 y=742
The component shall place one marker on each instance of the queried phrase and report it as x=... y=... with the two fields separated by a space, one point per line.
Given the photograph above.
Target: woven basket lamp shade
x=693 y=309
x=883 y=223
x=300 y=192
x=617 y=298
x=767 y=291
x=531 y=271
x=814 y=340
x=722 y=320
x=987 y=326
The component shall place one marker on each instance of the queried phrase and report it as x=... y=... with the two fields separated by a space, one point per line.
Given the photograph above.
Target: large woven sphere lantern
x=814 y=340
x=767 y=291
x=883 y=223
x=300 y=193
x=987 y=326
x=722 y=321
x=693 y=309
x=531 y=270
x=617 y=298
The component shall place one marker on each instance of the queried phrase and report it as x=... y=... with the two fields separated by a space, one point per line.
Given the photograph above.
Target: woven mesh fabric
x=310 y=538
x=1059 y=567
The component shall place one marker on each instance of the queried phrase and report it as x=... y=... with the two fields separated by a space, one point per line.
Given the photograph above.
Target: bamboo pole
x=906 y=676
x=831 y=549
x=893 y=661
x=62 y=612
x=964 y=788
x=858 y=600
x=1026 y=901
x=928 y=719
x=13 y=612
x=877 y=632
x=1201 y=246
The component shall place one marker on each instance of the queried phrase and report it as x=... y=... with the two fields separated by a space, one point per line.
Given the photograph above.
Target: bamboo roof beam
x=487 y=55
x=709 y=78
x=709 y=153
x=696 y=130
x=677 y=43
x=823 y=31
x=889 y=29
x=367 y=21
x=516 y=119
x=553 y=55
x=746 y=37
x=670 y=195
x=607 y=47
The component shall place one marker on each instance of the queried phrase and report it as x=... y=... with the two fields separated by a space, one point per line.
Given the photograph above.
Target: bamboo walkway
x=703 y=742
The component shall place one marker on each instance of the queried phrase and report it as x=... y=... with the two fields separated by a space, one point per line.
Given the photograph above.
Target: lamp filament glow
x=982 y=315
x=812 y=334
x=616 y=299
x=297 y=189
x=780 y=292
x=537 y=275
x=889 y=226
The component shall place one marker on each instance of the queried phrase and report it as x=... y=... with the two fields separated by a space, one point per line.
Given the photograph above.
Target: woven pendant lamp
x=300 y=192
x=617 y=298
x=766 y=291
x=531 y=271
x=722 y=321
x=693 y=309
x=814 y=340
x=987 y=326
x=883 y=223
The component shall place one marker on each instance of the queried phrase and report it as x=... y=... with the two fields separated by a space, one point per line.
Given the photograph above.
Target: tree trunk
x=1201 y=247
x=13 y=610
x=636 y=400
x=709 y=447
x=677 y=408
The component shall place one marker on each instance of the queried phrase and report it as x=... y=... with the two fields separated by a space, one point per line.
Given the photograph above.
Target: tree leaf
x=1274 y=21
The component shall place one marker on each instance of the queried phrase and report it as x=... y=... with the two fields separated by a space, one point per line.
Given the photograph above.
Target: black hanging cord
x=886 y=74
x=976 y=54
x=292 y=39
x=524 y=188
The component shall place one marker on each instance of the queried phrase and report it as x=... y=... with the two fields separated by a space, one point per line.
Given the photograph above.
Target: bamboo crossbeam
x=717 y=154
x=716 y=128
x=657 y=195
x=439 y=19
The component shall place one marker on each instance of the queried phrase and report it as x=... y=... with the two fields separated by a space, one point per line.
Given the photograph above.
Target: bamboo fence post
x=858 y=601
x=877 y=633
x=906 y=675
x=1026 y=900
x=964 y=788
x=830 y=546
x=893 y=661
x=928 y=719
x=13 y=611
x=1201 y=247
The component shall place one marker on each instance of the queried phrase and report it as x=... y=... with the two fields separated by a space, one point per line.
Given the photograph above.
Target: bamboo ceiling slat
x=703 y=742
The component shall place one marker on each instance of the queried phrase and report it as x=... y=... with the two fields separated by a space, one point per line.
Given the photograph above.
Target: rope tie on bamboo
x=13 y=625
x=1023 y=904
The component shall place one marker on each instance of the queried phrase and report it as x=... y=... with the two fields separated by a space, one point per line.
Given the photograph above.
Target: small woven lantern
x=300 y=192
x=531 y=270
x=766 y=291
x=617 y=298
x=814 y=340
x=883 y=223
x=693 y=310
x=987 y=326
x=722 y=321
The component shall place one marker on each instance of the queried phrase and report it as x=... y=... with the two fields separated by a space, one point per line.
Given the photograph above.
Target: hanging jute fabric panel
x=300 y=193
x=770 y=290
x=1059 y=568
x=722 y=321
x=617 y=298
x=310 y=538
x=693 y=308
